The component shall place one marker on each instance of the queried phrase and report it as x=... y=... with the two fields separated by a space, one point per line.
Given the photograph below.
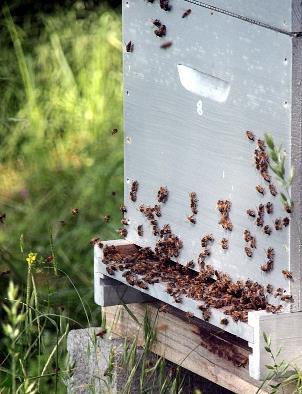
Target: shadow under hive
x=203 y=84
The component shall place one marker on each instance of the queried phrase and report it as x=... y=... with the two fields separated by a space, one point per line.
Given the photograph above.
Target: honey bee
x=125 y=222
x=267 y=267
x=114 y=131
x=129 y=46
x=189 y=315
x=287 y=274
x=190 y=264
x=270 y=253
x=224 y=243
x=287 y=298
x=269 y=208
x=110 y=270
x=162 y=194
x=224 y=321
x=133 y=192
x=261 y=144
x=253 y=242
x=259 y=222
x=166 y=45
x=75 y=211
x=123 y=209
x=186 y=13
x=267 y=229
x=288 y=207
x=161 y=31
x=266 y=176
x=250 y=135
x=273 y=190
x=142 y=284
x=246 y=235
x=191 y=219
x=248 y=251
x=206 y=240
x=140 y=230
x=157 y=210
x=122 y=232
x=164 y=5
x=278 y=224
x=107 y=218
x=261 y=209
x=260 y=189
x=157 y=23
x=285 y=221
x=2 y=217
x=269 y=289
x=251 y=213
x=94 y=241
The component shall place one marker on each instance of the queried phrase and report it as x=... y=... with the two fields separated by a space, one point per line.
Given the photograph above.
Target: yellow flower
x=31 y=258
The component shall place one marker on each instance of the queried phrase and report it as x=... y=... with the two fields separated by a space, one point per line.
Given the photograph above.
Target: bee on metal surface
x=109 y=270
x=125 y=222
x=273 y=190
x=162 y=194
x=224 y=243
x=251 y=213
x=157 y=23
x=253 y=242
x=206 y=240
x=247 y=235
x=267 y=229
x=190 y=264
x=285 y=221
x=250 y=135
x=259 y=222
x=164 y=5
x=191 y=219
x=265 y=175
x=269 y=208
x=270 y=253
x=186 y=13
x=248 y=251
x=193 y=202
x=129 y=46
x=287 y=274
x=75 y=211
x=133 y=191
x=287 y=298
x=260 y=189
x=140 y=230
x=278 y=224
x=267 y=267
x=161 y=31
x=157 y=210
x=166 y=45
x=189 y=315
x=261 y=144
x=269 y=288
x=224 y=321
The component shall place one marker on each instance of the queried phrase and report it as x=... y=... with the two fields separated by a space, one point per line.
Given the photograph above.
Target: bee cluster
x=142 y=267
x=261 y=161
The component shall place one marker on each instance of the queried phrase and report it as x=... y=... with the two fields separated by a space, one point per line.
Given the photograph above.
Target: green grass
x=61 y=97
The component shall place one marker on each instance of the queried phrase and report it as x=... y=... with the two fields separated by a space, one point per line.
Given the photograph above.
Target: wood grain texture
x=179 y=341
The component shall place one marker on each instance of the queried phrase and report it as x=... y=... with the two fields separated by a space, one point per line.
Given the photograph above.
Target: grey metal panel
x=281 y=14
x=169 y=144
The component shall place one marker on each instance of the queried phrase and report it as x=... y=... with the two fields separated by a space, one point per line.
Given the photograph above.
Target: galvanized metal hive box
x=187 y=109
x=229 y=67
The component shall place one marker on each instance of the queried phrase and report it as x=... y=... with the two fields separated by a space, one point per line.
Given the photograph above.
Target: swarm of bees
x=133 y=191
x=224 y=207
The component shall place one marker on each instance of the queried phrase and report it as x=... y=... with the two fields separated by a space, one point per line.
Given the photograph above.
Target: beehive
x=220 y=69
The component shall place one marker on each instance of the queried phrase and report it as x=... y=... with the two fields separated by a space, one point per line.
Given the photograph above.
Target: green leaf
x=291 y=175
x=269 y=367
x=267 y=348
x=269 y=140
x=283 y=197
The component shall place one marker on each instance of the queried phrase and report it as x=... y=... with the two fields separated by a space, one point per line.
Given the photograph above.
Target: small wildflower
x=31 y=258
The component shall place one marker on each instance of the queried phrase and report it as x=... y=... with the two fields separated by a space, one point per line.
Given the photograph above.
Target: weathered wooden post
x=197 y=77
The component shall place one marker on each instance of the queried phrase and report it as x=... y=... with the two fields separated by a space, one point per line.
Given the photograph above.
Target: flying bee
x=251 y=213
x=2 y=217
x=75 y=211
x=285 y=221
x=250 y=135
x=186 y=13
x=114 y=131
x=278 y=224
x=267 y=230
x=248 y=251
x=107 y=218
x=191 y=219
x=166 y=45
x=273 y=190
x=287 y=274
x=224 y=243
x=140 y=230
x=129 y=46
x=260 y=189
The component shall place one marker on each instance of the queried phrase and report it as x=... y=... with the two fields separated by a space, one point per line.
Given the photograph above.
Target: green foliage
x=277 y=165
x=61 y=99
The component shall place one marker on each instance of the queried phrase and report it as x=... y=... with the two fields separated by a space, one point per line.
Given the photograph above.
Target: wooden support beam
x=189 y=342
